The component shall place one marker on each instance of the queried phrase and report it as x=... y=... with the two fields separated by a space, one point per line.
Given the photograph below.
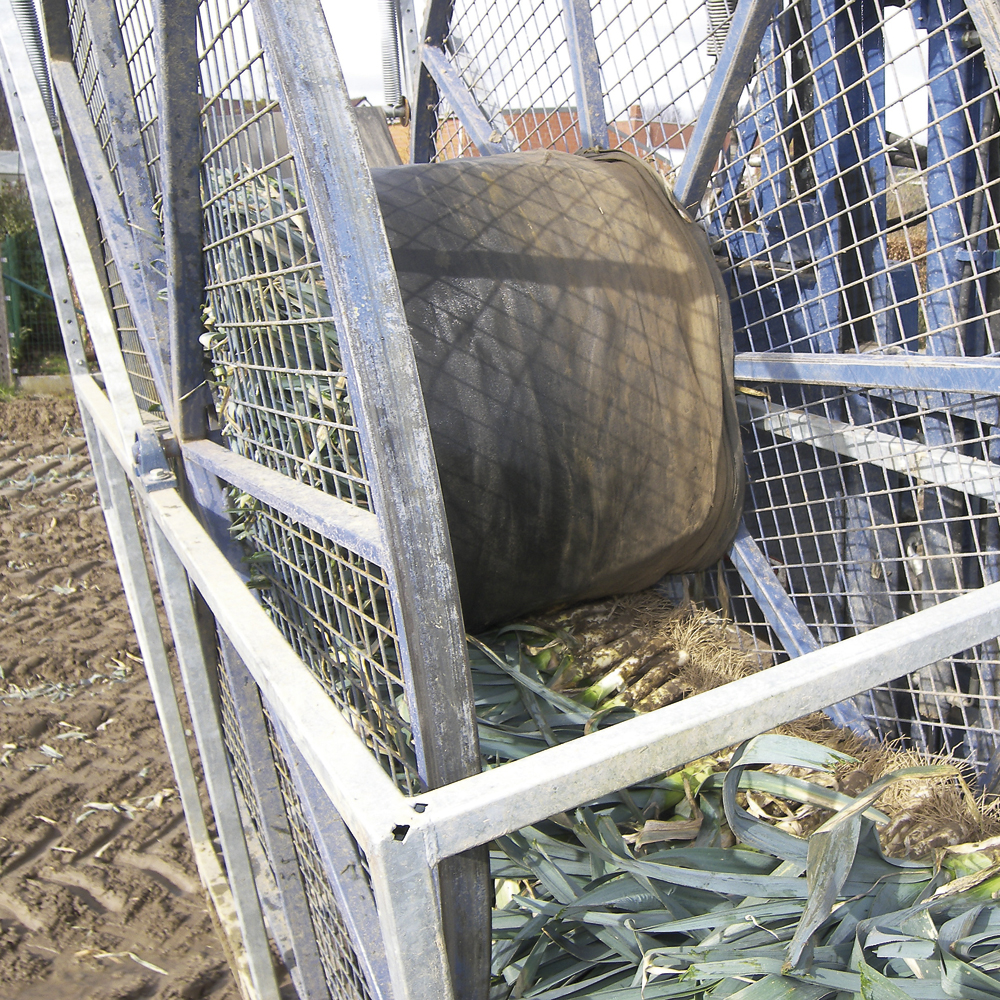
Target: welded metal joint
x=150 y=463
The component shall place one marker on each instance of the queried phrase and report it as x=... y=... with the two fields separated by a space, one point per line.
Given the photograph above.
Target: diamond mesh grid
x=854 y=210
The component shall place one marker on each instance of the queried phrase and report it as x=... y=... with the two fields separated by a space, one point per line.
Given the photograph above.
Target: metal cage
x=203 y=193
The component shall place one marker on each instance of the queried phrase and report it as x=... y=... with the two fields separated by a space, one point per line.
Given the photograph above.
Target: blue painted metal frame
x=586 y=73
x=483 y=135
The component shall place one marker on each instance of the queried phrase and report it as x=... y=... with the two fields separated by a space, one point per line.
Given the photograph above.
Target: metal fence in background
x=259 y=402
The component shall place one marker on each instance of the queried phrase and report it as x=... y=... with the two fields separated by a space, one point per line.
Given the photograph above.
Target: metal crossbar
x=853 y=208
x=844 y=159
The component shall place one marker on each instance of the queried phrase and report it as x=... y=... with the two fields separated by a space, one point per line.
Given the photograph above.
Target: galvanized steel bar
x=60 y=49
x=402 y=873
x=342 y=522
x=202 y=704
x=939 y=465
x=410 y=47
x=378 y=355
x=522 y=792
x=48 y=235
x=771 y=597
x=358 y=787
x=483 y=135
x=985 y=16
x=781 y=614
x=118 y=230
x=273 y=830
x=731 y=74
x=586 y=73
x=136 y=186
x=179 y=118
x=873 y=371
x=343 y=869
x=123 y=531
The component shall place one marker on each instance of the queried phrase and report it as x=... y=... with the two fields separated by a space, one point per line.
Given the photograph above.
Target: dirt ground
x=99 y=895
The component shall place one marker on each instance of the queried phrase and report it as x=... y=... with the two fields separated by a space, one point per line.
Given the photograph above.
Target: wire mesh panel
x=853 y=211
x=340 y=960
x=853 y=205
x=514 y=59
x=286 y=403
x=655 y=63
x=135 y=18
x=283 y=391
x=86 y=64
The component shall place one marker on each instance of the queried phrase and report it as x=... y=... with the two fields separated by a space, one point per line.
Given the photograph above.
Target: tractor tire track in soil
x=99 y=894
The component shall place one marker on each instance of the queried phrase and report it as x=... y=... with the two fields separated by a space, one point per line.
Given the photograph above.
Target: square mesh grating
x=853 y=210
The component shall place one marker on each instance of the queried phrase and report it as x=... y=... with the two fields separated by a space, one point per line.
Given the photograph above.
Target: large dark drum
x=574 y=345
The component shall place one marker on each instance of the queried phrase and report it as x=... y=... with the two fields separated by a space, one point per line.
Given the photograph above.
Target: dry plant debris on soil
x=99 y=895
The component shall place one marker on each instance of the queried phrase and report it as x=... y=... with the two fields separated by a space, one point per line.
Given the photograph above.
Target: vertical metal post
x=404 y=884
x=385 y=390
x=586 y=73
x=409 y=46
x=274 y=832
x=180 y=169
x=423 y=113
x=202 y=703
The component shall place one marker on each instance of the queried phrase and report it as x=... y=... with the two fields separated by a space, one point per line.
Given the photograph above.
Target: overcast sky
x=356 y=31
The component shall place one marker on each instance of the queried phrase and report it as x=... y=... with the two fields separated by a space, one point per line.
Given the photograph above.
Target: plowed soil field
x=99 y=895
